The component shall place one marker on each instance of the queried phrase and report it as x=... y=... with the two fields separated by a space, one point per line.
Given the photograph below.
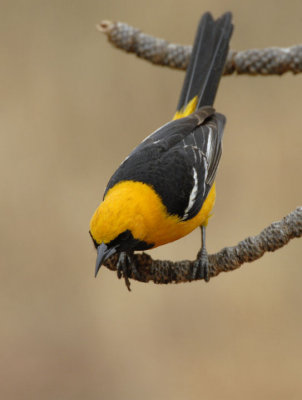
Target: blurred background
x=72 y=107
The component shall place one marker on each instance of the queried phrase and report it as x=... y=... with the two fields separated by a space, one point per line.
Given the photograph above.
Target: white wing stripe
x=154 y=132
x=209 y=144
x=193 y=194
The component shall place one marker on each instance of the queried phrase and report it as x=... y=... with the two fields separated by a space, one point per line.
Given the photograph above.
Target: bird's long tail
x=206 y=64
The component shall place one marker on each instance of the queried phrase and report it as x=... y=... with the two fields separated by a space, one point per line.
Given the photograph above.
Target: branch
x=275 y=236
x=270 y=61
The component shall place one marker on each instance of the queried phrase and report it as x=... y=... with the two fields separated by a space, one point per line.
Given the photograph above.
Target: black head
x=123 y=242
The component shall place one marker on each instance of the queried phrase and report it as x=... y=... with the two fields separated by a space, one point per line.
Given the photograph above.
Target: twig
x=269 y=61
x=275 y=236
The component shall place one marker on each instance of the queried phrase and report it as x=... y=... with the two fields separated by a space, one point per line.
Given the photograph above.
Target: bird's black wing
x=174 y=131
x=179 y=161
x=203 y=147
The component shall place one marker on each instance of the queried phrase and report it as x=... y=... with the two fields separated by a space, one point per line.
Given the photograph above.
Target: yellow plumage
x=189 y=109
x=137 y=207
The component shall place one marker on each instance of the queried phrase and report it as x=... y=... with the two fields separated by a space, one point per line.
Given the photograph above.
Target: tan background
x=72 y=107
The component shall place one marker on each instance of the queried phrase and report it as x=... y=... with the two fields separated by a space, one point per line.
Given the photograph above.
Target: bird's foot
x=201 y=266
x=126 y=267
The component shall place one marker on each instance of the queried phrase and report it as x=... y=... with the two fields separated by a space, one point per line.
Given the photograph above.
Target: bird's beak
x=104 y=252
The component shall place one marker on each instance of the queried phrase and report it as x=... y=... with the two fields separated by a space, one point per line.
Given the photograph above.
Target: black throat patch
x=126 y=242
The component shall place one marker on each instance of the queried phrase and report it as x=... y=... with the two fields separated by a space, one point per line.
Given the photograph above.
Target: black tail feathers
x=207 y=60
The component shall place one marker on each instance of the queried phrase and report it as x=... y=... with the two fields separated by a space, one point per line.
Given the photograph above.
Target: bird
x=165 y=188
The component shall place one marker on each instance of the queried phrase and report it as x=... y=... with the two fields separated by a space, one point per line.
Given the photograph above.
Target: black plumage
x=207 y=60
x=180 y=159
x=166 y=160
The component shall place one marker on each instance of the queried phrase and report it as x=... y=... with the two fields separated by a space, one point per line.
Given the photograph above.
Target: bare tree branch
x=270 y=61
x=275 y=236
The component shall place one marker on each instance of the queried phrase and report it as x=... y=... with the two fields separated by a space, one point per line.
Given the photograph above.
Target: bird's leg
x=126 y=267
x=201 y=265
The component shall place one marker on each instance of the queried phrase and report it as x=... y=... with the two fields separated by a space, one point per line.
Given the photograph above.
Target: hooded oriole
x=165 y=188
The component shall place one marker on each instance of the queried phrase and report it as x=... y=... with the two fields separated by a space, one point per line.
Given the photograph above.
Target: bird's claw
x=126 y=267
x=201 y=268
